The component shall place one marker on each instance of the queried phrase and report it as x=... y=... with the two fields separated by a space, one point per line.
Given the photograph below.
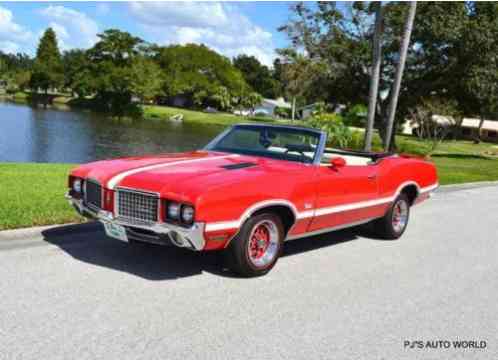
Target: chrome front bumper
x=191 y=237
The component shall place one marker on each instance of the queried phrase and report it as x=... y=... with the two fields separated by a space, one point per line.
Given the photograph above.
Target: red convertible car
x=250 y=189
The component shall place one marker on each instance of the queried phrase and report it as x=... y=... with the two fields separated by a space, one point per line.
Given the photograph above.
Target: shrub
x=431 y=129
x=339 y=135
x=283 y=112
x=356 y=116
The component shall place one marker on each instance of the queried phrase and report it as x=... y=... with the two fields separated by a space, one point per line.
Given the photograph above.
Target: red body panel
x=320 y=197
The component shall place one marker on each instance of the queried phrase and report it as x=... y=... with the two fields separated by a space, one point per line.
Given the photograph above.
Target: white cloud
x=12 y=35
x=74 y=29
x=185 y=14
x=220 y=26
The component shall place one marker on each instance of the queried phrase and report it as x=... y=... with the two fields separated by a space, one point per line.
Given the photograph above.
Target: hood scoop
x=238 y=165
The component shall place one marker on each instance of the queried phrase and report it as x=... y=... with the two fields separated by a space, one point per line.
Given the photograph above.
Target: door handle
x=372 y=176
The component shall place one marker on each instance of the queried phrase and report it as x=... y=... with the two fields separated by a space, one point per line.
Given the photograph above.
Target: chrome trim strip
x=320 y=148
x=112 y=183
x=326 y=230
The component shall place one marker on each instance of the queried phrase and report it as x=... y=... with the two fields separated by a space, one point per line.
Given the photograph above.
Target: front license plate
x=115 y=231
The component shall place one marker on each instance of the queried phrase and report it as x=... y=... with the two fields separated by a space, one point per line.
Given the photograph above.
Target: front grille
x=137 y=206
x=93 y=194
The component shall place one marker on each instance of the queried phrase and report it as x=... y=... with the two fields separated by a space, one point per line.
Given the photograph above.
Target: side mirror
x=337 y=162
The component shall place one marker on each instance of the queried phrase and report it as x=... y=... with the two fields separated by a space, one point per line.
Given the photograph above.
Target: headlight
x=173 y=210
x=77 y=185
x=187 y=214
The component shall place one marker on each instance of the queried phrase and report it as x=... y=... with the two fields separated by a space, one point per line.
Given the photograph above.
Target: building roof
x=309 y=106
x=280 y=102
x=474 y=123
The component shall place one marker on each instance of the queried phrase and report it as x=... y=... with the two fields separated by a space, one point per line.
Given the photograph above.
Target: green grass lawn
x=32 y=194
x=458 y=161
x=453 y=169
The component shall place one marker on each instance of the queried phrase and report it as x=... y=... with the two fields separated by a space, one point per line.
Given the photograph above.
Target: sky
x=230 y=28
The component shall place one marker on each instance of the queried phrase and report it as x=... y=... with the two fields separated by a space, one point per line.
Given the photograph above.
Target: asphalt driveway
x=73 y=293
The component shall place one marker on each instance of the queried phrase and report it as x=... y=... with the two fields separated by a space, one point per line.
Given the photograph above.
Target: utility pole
x=399 y=73
x=374 y=77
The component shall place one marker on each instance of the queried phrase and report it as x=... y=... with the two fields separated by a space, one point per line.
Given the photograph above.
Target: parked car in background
x=253 y=187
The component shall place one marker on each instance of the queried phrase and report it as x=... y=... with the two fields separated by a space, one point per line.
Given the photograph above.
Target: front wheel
x=257 y=247
x=393 y=224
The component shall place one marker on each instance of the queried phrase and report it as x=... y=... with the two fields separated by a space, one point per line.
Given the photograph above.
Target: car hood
x=184 y=176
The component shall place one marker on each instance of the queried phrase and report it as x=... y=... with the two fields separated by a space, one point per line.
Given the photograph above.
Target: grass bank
x=32 y=194
x=193 y=116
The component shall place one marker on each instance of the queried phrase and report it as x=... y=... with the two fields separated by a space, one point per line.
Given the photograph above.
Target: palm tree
x=298 y=73
x=374 y=77
x=399 y=73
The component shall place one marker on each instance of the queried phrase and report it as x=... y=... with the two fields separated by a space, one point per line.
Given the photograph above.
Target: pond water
x=31 y=134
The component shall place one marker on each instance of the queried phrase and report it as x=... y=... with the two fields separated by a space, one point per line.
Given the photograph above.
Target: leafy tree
x=478 y=87
x=21 y=79
x=111 y=68
x=77 y=74
x=257 y=76
x=298 y=73
x=147 y=78
x=47 y=72
x=447 y=42
x=198 y=74
x=251 y=100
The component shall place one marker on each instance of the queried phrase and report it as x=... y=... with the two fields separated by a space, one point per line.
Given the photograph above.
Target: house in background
x=268 y=106
x=489 y=130
x=469 y=128
x=306 y=111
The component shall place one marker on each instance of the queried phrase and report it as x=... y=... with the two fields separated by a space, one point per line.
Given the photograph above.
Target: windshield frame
x=320 y=148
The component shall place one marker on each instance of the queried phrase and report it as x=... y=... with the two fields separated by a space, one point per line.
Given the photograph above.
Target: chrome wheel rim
x=263 y=243
x=400 y=216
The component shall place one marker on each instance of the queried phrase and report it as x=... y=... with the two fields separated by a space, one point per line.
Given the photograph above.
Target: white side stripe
x=429 y=188
x=352 y=206
x=119 y=177
x=218 y=226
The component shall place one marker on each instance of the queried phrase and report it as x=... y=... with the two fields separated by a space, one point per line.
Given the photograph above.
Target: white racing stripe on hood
x=111 y=184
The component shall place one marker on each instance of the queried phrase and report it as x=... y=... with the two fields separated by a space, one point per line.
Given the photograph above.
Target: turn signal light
x=108 y=200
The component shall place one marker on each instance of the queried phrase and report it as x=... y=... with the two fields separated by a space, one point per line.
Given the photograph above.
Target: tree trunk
x=479 y=128
x=293 y=108
x=399 y=73
x=374 y=77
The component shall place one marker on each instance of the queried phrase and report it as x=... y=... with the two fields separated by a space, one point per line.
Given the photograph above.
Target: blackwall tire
x=254 y=251
x=394 y=223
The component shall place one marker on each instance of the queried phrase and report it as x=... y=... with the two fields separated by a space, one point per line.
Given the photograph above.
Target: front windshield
x=293 y=144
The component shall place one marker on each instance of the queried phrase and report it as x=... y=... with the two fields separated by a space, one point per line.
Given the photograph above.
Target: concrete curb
x=464 y=186
x=32 y=232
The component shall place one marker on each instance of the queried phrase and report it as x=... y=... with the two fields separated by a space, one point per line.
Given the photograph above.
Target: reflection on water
x=30 y=134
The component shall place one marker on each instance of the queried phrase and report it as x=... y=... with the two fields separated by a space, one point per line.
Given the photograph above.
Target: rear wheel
x=256 y=248
x=393 y=224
